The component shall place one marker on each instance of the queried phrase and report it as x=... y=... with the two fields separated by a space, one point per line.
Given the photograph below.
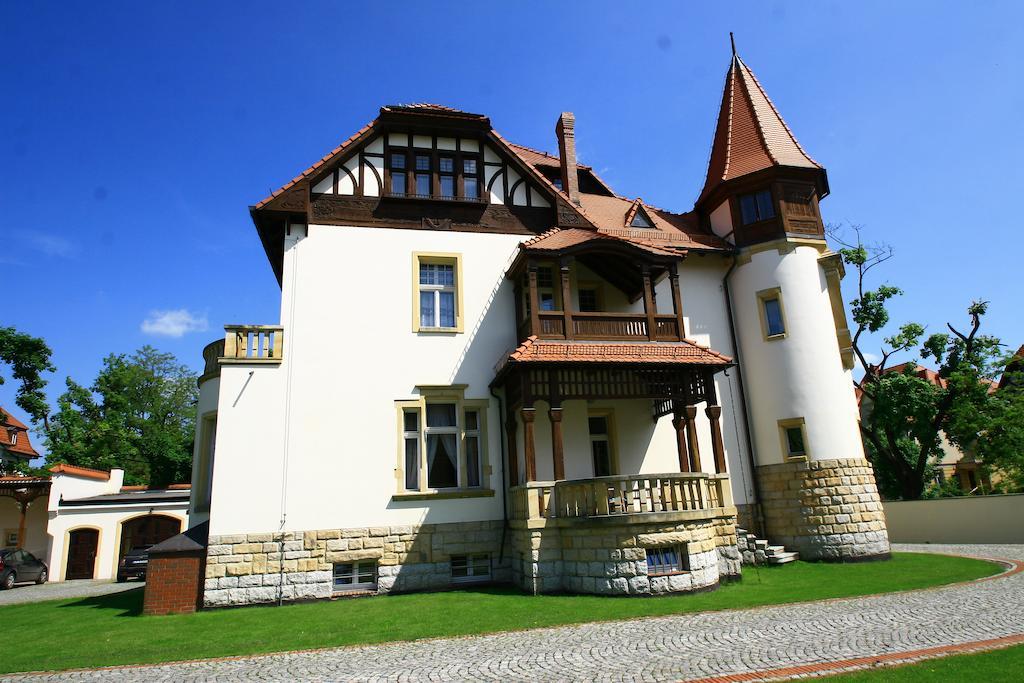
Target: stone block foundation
x=583 y=556
x=824 y=509
x=247 y=569
x=609 y=556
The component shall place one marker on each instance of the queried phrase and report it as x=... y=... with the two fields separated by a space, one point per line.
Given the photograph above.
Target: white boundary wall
x=969 y=519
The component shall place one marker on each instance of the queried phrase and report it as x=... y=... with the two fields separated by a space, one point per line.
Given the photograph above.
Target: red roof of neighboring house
x=930 y=375
x=86 y=472
x=750 y=135
x=14 y=438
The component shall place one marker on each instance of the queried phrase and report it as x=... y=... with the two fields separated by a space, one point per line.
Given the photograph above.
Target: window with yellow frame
x=773 y=313
x=437 y=292
x=442 y=440
x=793 y=434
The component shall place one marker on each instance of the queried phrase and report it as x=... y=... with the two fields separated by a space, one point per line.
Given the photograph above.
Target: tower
x=817 y=490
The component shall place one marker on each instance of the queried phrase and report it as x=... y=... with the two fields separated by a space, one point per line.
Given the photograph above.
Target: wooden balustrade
x=606 y=326
x=253 y=343
x=621 y=495
x=531 y=501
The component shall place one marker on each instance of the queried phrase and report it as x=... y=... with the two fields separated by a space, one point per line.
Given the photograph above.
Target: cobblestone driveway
x=27 y=592
x=664 y=648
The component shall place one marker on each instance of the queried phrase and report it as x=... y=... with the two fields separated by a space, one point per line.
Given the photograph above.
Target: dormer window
x=425 y=167
x=756 y=206
x=641 y=220
x=398 y=173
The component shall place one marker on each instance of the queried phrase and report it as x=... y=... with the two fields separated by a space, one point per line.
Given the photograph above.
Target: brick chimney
x=565 y=130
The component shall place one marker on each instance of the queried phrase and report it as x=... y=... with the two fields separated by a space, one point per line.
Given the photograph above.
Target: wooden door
x=148 y=530
x=82 y=553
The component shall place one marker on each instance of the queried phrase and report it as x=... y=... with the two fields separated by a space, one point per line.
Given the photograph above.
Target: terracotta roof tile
x=75 y=470
x=15 y=430
x=672 y=230
x=558 y=239
x=684 y=352
x=750 y=135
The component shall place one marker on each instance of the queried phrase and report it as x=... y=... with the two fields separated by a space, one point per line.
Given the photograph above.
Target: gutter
x=504 y=474
x=743 y=395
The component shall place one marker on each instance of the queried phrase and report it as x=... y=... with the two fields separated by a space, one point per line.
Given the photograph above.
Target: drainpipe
x=759 y=510
x=504 y=474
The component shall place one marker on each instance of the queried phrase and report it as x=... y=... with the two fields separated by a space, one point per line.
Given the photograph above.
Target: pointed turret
x=751 y=135
x=759 y=168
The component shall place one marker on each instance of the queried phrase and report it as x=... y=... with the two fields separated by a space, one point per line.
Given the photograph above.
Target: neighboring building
x=15 y=444
x=490 y=366
x=81 y=521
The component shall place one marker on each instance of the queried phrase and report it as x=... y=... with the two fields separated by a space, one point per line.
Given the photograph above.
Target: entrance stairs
x=754 y=550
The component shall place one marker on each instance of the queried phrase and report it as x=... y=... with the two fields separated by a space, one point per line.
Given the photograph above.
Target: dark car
x=19 y=566
x=133 y=564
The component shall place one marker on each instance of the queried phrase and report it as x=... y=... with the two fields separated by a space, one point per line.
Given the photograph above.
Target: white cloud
x=51 y=245
x=174 y=323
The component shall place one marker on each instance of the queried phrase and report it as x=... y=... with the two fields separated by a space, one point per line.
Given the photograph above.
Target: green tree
x=906 y=416
x=138 y=414
x=28 y=358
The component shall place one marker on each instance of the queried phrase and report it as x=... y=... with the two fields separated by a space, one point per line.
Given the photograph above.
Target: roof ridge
x=758 y=124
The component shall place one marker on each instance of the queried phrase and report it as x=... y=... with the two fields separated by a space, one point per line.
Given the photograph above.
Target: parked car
x=19 y=566
x=133 y=564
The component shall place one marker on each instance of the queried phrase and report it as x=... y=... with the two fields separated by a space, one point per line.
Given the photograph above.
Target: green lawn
x=996 y=666
x=110 y=630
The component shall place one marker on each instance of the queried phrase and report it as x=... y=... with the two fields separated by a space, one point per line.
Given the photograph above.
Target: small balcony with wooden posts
x=623 y=348
x=258 y=344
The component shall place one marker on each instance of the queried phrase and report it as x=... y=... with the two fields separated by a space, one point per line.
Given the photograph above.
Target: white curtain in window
x=434 y=443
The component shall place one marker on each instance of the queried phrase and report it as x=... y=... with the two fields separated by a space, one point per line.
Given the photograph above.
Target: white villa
x=551 y=385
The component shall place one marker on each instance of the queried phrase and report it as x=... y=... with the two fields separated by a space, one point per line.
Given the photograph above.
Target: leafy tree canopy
x=906 y=416
x=28 y=358
x=139 y=414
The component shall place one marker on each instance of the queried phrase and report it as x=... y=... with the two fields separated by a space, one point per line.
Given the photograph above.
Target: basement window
x=671 y=559
x=355 y=576
x=471 y=568
x=794 y=438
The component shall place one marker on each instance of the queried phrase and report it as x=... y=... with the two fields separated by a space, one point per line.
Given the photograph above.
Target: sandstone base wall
x=824 y=509
x=610 y=559
x=254 y=568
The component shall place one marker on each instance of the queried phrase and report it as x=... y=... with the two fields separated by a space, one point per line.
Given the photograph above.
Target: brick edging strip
x=862 y=663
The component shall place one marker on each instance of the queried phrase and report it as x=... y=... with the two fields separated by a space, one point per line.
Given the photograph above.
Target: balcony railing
x=604 y=326
x=253 y=343
x=635 y=494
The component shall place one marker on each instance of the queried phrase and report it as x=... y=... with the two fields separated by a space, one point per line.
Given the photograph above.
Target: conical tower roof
x=751 y=135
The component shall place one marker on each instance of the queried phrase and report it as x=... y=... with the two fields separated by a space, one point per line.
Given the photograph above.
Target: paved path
x=714 y=644
x=82 y=588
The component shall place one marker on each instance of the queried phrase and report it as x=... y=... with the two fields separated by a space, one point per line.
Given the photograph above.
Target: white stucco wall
x=327 y=457
x=801 y=375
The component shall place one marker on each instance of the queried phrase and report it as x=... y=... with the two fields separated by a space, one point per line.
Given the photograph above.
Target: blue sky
x=137 y=134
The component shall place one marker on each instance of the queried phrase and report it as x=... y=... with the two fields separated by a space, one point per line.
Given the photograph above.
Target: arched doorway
x=82 y=544
x=147 y=530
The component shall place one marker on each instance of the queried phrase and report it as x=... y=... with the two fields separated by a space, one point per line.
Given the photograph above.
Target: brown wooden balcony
x=604 y=326
x=635 y=497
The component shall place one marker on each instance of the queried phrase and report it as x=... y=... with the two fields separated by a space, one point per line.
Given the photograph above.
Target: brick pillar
x=174 y=582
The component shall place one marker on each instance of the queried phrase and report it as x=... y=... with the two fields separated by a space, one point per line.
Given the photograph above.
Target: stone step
x=774 y=549
x=783 y=558
x=761 y=545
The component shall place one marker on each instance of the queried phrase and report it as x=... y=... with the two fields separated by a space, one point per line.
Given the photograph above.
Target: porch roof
x=686 y=352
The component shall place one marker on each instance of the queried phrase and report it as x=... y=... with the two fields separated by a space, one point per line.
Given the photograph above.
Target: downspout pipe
x=759 y=509
x=504 y=474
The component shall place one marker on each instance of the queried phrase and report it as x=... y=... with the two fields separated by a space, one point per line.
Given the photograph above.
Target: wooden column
x=680 y=426
x=529 y=451
x=557 y=453
x=690 y=413
x=567 y=307
x=513 y=451
x=531 y=276
x=649 y=306
x=677 y=299
x=714 y=414
x=23 y=505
